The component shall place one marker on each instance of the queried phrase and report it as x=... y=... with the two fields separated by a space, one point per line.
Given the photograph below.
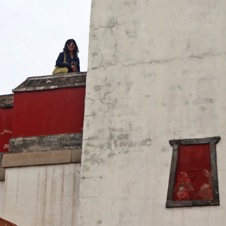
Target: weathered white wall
x=156 y=72
x=1 y=195
x=42 y=195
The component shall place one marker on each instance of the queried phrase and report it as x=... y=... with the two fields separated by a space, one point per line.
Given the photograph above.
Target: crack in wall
x=103 y=99
x=110 y=24
x=162 y=61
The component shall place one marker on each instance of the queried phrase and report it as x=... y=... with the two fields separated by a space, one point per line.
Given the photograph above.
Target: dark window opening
x=193 y=176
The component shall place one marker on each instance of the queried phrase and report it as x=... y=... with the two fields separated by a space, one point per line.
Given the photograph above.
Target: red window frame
x=193 y=177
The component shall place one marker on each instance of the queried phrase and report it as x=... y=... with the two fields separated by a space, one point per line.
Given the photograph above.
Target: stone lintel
x=46 y=143
x=41 y=158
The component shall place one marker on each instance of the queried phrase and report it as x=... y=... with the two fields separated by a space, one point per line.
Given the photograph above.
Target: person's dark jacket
x=69 y=60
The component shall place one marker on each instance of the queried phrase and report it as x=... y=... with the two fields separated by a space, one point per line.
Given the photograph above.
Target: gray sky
x=33 y=33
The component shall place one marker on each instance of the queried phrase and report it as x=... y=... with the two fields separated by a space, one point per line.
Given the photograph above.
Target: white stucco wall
x=42 y=195
x=1 y=195
x=156 y=72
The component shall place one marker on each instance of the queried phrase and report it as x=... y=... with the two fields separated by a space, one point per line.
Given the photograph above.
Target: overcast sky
x=33 y=33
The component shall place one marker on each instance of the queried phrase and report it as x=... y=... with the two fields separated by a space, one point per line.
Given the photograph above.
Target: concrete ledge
x=41 y=158
x=2 y=174
x=6 y=101
x=46 y=143
x=48 y=82
x=76 y=156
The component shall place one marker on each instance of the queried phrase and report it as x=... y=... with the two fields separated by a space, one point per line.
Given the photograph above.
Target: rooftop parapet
x=48 y=113
x=6 y=101
x=52 y=82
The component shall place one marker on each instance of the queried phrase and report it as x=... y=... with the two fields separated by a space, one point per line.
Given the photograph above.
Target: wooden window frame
x=212 y=141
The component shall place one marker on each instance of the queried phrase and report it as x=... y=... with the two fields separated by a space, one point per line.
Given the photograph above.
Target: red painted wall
x=5 y=223
x=193 y=179
x=48 y=112
x=5 y=128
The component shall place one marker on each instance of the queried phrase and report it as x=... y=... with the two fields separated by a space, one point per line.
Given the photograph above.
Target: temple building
x=139 y=139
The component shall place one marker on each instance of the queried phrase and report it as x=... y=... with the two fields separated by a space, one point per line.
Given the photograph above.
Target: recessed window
x=193 y=175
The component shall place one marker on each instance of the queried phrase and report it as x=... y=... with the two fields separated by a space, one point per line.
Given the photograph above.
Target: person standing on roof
x=69 y=57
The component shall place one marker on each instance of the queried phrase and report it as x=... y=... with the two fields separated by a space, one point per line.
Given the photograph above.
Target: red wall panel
x=193 y=179
x=5 y=128
x=48 y=112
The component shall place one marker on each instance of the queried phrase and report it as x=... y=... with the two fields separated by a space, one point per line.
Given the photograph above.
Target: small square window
x=193 y=175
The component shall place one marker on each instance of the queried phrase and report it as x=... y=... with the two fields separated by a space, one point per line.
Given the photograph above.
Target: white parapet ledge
x=41 y=158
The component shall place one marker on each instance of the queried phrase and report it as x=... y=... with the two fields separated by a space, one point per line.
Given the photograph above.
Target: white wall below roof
x=2 y=183
x=156 y=72
x=42 y=195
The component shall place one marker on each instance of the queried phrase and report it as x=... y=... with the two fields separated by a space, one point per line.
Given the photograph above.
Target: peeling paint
x=5 y=132
x=6 y=146
x=206 y=191
x=183 y=186
x=187 y=189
